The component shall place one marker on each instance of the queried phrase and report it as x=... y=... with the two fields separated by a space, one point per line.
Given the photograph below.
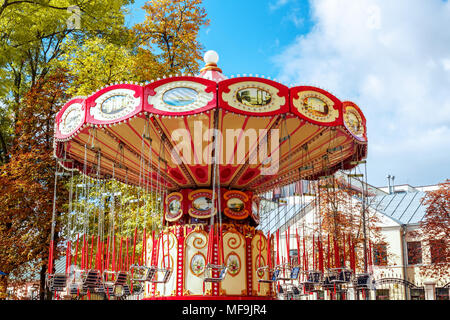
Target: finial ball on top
x=211 y=57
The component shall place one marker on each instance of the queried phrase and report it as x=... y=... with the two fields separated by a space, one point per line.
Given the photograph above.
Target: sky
x=392 y=58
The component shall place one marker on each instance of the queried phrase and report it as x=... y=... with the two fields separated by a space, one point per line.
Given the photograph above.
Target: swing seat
x=126 y=291
x=142 y=273
x=57 y=282
x=309 y=287
x=92 y=280
x=211 y=267
x=363 y=281
x=110 y=287
x=342 y=275
x=137 y=289
x=328 y=280
x=296 y=291
x=120 y=278
x=76 y=288
x=166 y=273
x=293 y=276
x=274 y=277
x=313 y=277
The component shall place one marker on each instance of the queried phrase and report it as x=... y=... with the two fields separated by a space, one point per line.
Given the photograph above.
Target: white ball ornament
x=211 y=57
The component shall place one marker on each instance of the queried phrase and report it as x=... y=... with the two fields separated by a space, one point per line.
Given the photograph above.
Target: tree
x=32 y=34
x=435 y=230
x=97 y=63
x=168 y=38
x=44 y=61
x=341 y=219
x=27 y=182
x=32 y=90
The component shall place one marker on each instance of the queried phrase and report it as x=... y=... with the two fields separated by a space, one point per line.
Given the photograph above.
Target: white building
x=399 y=210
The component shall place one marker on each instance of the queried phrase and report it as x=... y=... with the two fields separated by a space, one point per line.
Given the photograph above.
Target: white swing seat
x=341 y=275
x=363 y=281
x=57 y=282
x=142 y=273
x=120 y=279
x=91 y=280
x=165 y=272
x=295 y=272
x=272 y=279
x=312 y=277
x=209 y=270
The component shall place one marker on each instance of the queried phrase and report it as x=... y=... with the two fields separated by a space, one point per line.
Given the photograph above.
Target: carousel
x=204 y=149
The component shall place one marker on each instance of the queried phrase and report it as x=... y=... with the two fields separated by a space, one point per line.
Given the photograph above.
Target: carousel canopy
x=165 y=132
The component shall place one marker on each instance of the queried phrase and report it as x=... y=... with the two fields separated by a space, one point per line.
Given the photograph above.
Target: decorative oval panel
x=354 y=121
x=201 y=204
x=113 y=105
x=256 y=96
x=316 y=105
x=236 y=203
x=174 y=209
x=180 y=95
x=70 y=118
x=197 y=264
x=233 y=262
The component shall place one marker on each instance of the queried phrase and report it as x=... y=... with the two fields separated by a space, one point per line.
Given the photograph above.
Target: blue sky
x=392 y=58
x=247 y=34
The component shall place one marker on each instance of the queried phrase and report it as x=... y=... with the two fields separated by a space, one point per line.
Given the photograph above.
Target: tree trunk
x=44 y=293
x=3 y=286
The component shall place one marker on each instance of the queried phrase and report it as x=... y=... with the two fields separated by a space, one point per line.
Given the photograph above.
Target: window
x=442 y=293
x=382 y=294
x=414 y=252
x=438 y=250
x=293 y=257
x=380 y=254
x=417 y=294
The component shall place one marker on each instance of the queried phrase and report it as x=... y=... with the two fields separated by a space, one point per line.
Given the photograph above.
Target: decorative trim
x=114 y=104
x=233 y=272
x=236 y=203
x=159 y=101
x=170 y=199
x=274 y=101
x=195 y=209
x=68 y=125
x=305 y=105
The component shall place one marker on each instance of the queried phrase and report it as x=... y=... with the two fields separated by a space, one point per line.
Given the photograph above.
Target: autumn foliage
x=435 y=231
x=348 y=225
x=27 y=181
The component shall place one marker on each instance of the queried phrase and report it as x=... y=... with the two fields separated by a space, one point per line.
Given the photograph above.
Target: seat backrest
x=150 y=275
x=294 y=273
x=92 y=278
x=275 y=275
x=223 y=272
x=121 y=278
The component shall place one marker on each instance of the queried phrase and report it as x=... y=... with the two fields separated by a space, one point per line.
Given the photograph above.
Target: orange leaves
x=435 y=230
x=27 y=179
x=171 y=27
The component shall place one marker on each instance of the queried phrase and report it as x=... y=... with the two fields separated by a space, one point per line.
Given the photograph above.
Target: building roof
x=403 y=207
x=281 y=217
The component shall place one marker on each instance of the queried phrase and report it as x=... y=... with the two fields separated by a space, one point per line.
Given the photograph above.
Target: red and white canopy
x=268 y=134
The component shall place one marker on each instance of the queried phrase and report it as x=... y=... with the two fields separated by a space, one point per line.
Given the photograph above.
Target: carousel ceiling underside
x=160 y=134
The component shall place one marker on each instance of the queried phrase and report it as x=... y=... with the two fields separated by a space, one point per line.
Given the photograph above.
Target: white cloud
x=392 y=59
x=277 y=4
